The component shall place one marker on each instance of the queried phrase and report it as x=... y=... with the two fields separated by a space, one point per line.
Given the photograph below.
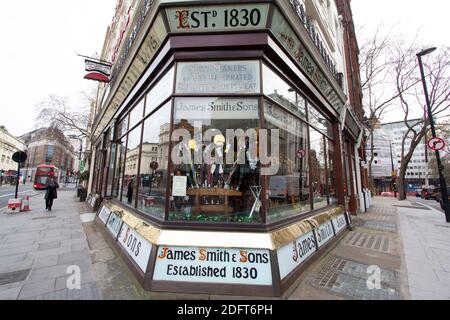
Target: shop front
x=218 y=154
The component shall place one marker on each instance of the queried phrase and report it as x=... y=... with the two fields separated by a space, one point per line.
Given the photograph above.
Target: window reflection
x=131 y=167
x=154 y=163
x=289 y=187
x=318 y=169
x=282 y=93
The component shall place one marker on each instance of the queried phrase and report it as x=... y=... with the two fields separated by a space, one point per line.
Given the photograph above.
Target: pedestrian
x=51 y=193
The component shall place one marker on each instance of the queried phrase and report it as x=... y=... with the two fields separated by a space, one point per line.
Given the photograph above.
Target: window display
x=212 y=160
x=318 y=169
x=130 y=178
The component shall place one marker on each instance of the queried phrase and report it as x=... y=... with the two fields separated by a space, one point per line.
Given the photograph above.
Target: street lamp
x=433 y=133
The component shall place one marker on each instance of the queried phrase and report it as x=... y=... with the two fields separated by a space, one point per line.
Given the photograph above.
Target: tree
x=72 y=120
x=411 y=97
x=376 y=62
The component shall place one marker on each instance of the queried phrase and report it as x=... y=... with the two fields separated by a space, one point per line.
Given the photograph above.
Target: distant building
x=9 y=144
x=391 y=135
x=48 y=146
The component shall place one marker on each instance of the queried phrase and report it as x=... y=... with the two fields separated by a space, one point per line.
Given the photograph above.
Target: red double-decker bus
x=43 y=172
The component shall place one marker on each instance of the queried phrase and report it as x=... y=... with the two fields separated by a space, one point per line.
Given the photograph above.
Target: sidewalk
x=37 y=247
x=409 y=242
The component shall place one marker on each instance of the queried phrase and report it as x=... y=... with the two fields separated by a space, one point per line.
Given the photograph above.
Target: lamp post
x=433 y=133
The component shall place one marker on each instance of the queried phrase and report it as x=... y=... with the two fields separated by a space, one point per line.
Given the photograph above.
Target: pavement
x=403 y=244
x=42 y=253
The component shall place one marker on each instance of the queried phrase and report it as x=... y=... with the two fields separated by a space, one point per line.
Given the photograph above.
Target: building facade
x=48 y=146
x=9 y=144
x=387 y=158
x=245 y=107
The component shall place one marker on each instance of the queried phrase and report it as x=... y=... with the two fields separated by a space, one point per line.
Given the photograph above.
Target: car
x=428 y=193
x=439 y=197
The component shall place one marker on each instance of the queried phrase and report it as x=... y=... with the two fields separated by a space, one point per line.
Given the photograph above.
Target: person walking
x=51 y=193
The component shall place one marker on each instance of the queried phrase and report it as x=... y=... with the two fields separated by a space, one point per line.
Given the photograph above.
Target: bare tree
x=412 y=101
x=57 y=111
x=376 y=71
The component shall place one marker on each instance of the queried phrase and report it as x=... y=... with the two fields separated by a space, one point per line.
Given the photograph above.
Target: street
x=431 y=202
x=8 y=192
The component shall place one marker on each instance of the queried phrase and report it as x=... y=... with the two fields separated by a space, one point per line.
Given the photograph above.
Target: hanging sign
x=98 y=71
x=213 y=265
x=436 y=144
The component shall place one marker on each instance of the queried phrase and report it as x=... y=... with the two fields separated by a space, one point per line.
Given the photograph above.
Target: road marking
x=13 y=194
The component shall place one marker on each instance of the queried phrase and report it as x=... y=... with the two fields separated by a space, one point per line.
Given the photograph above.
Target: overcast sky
x=40 y=39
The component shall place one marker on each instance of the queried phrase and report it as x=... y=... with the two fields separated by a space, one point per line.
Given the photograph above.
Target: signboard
x=216 y=108
x=136 y=246
x=104 y=214
x=339 y=223
x=324 y=233
x=301 y=154
x=218 y=18
x=19 y=156
x=179 y=186
x=295 y=253
x=436 y=144
x=213 y=265
x=96 y=66
x=114 y=224
x=292 y=43
x=218 y=77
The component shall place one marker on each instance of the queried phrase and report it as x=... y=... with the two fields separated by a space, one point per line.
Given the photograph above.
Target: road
x=8 y=192
x=431 y=202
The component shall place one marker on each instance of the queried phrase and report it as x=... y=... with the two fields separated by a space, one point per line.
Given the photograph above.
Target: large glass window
x=319 y=122
x=288 y=188
x=318 y=169
x=118 y=167
x=331 y=171
x=154 y=163
x=281 y=92
x=216 y=171
x=131 y=166
x=160 y=92
x=137 y=113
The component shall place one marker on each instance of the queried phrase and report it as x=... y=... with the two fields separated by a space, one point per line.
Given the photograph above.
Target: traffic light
x=394 y=185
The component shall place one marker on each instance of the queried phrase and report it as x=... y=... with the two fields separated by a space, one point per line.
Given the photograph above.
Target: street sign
x=436 y=144
x=301 y=154
x=19 y=156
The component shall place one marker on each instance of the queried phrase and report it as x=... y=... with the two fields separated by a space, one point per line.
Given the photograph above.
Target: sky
x=40 y=39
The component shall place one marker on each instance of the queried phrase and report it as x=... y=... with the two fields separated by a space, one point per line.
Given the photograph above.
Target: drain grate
x=368 y=241
x=380 y=225
x=12 y=277
x=349 y=278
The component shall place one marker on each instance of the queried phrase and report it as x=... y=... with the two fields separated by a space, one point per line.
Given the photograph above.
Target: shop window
x=288 y=188
x=216 y=175
x=109 y=185
x=318 y=169
x=331 y=172
x=160 y=92
x=129 y=187
x=118 y=167
x=278 y=90
x=137 y=113
x=122 y=127
x=154 y=163
x=319 y=122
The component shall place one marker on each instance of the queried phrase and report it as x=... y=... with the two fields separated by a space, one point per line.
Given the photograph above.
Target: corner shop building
x=225 y=157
